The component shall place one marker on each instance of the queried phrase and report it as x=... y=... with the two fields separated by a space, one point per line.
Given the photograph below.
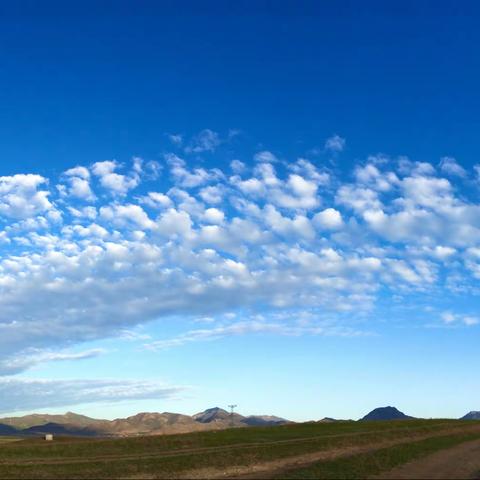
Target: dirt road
x=278 y=468
x=460 y=462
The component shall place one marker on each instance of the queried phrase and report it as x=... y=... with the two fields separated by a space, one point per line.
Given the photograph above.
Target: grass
x=373 y=463
x=9 y=439
x=168 y=456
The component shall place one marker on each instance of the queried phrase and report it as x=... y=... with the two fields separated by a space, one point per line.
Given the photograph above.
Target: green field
x=8 y=440
x=233 y=451
x=376 y=462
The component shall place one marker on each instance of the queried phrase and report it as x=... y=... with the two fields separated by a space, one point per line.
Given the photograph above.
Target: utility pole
x=231 y=407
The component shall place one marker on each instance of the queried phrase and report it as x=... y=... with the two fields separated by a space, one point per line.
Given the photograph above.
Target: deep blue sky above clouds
x=274 y=204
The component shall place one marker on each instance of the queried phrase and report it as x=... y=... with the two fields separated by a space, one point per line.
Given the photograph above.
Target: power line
x=231 y=407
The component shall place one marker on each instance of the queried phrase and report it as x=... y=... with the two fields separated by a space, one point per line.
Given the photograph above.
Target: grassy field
x=8 y=440
x=216 y=451
x=374 y=463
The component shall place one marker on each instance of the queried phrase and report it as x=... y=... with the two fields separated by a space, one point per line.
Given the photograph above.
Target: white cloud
x=296 y=192
x=81 y=172
x=450 y=166
x=78 y=180
x=214 y=215
x=477 y=171
x=125 y=215
x=427 y=192
x=20 y=196
x=442 y=253
x=298 y=226
x=30 y=394
x=265 y=156
x=369 y=175
x=81 y=189
x=91 y=231
x=470 y=320
x=252 y=186
x=176 y=139
x=32 y=357
x=116 y=183
x=189 y=179
x=212 y=194
x=156 y=200
x=174 y=222
x=254 y=326
x=104 y=168
x=206 y=141
x=328 y=219
x=358 y=198
x=256 y=241
x=335 y=143
x=237 y=166
x=84 y=212
x=310 y=171
x=450 y=318
x=407 y=167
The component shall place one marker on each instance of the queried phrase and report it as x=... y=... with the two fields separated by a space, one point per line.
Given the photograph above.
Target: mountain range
x=392 y=413
x=163 y=423
x=141 y=424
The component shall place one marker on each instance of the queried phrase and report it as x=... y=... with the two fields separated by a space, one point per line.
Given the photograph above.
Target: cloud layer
x=25 y=394
x=108 y=246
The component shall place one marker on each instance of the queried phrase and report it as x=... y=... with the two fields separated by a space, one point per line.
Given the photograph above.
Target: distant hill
x=35 y=419
x=7 y=430
x=146 y=423
x=259 y=420
x=473 y=415
x=153 y=424
x=328 y=420
x=386 y=413
x=218 y=416
x=58 y=429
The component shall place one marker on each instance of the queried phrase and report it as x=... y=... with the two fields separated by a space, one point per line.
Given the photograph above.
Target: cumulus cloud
x=450 y=166
x=21 y=196
x=78 y=181
x=450 y=318
x=122 y=215
x=295 y=192
x=328 y=219
x=335 y=143
x=310 y=171
x=477 y=171
x=358 y=198
x=200 y=243
x=81 y=172
x=212 y=194
x=206 y=141
x=156 y=200
x=214 y=215
x=186 y=178
x=237 y=166
x=176 y=138
x=265 y=156
x=117 y=184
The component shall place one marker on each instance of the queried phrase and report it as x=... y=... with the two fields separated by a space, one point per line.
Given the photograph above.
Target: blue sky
x=273 y=205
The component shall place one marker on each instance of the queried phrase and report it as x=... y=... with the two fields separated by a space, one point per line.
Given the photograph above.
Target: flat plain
x=308 y=450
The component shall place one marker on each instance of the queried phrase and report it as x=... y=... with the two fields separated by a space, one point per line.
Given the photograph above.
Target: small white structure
x=49 y=437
